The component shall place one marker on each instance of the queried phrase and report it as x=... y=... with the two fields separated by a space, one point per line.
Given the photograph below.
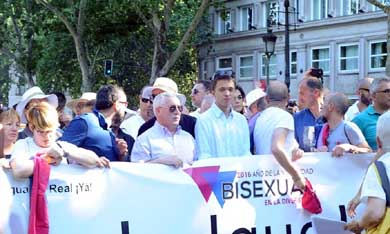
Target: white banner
x=216 y=196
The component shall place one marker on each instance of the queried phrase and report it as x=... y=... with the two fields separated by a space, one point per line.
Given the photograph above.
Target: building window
x=349 y=58
x=320 y=59
x=350 y=7
x=224 y=22
x=319 y=9
x=224 y=63
x=246 y=67
x=273 y=12
x=378 y=55
x=247 y=18
x=293 y=64
x=272 y=67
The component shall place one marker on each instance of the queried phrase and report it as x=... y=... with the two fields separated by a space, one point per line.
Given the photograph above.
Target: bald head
x=339 y=101
x=365 y=83
x=277 y=91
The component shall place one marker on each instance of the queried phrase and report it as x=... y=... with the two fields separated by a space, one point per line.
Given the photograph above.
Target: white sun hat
x=167 y=85
x=34 y=93
x=85 y=97
x=254 y=95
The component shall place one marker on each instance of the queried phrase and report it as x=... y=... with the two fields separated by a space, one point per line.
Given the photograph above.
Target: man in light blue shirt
x=220 y=131
x=165 y=142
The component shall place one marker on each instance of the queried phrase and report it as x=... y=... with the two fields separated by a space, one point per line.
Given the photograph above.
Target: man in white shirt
x=372 y=192
x=221 y=131
x=363 y=92
x=165 y=142
x=199 y=91
x=274 y=132
x=132 y=124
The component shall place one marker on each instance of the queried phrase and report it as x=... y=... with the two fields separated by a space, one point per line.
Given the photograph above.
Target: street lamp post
x=269 y=41
x=287 y=45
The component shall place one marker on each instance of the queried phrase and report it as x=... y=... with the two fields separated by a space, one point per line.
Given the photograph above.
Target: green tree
x=19 y=22
x=173 y=24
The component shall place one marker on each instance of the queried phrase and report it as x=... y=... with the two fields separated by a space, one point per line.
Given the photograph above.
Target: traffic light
x=108 y=65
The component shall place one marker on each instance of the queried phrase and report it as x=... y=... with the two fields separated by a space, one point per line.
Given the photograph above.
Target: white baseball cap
x=254 y=95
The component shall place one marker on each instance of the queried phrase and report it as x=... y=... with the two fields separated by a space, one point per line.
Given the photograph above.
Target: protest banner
x=215 y=196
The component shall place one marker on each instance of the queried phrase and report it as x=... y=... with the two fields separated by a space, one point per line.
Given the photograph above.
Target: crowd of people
x=225 y=123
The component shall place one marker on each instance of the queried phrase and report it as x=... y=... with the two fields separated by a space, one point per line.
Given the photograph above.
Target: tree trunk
x=168 y=64
x=83 y=61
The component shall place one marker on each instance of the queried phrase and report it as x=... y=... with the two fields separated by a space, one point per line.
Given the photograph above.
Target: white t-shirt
x=271 y=119
x=132 y=125
x=26 y=148
x=352 y=111
x=371 y=185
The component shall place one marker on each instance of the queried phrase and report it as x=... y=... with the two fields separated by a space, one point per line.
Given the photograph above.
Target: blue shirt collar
x=371 y=110
x=218 y=113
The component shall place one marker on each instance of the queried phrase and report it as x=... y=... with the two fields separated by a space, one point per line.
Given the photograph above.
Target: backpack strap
x=346 y=132
x=385 y=180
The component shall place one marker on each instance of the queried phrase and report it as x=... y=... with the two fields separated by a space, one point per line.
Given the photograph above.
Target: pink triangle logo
x=205 y=178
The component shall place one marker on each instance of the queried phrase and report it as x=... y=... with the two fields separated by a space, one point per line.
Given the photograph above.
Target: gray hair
x=383 y=131
x=160 y=99
x=375 y=84
x=340 y=102
x=277 y=91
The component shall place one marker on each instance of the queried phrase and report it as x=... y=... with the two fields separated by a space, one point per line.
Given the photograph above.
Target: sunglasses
x=384 y=91
x=363 y=89
x=173 y=108
x=146 y=100
x=223 y=74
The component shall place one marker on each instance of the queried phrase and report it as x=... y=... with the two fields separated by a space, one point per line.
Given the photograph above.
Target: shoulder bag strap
x=346 y=133
x=385 y=180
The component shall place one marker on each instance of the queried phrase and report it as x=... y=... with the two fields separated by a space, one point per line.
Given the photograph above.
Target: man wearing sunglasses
x=366 y=120
x=363 y=92
x=221 y=131
x=199 y=91
x=145 y=113
x=161 y=85
x=166 y=142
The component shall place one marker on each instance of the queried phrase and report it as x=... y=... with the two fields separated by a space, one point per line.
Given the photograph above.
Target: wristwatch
x=66 y=154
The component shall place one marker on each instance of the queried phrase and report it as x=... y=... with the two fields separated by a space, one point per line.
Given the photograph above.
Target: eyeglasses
x=146 y=100
x=173 y=108
x=363 y=89
x=223 y=74
x=387 y=91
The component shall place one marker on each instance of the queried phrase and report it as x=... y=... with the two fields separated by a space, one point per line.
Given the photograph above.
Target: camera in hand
x=317 y=72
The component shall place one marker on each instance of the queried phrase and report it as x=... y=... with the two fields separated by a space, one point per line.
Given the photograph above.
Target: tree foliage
x=63 y=31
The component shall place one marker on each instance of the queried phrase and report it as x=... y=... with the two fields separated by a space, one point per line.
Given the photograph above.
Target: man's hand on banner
x=354 y=227
x=296 y=154
x=299 y=184
x=103 y=162
x=169 y=160
x=353 y=204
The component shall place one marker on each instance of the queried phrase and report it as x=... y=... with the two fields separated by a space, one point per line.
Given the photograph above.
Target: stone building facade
x=346 y=38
